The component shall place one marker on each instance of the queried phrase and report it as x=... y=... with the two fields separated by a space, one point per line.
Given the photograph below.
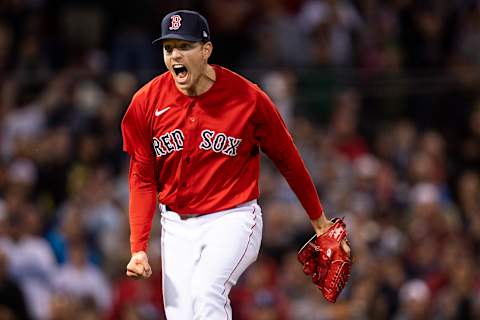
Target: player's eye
x=168 y=48
x=185 y=46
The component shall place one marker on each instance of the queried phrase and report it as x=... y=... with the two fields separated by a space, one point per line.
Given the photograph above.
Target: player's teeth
x=180 y=70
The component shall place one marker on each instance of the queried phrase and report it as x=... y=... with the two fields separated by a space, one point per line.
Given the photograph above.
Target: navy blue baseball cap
x=184 y=25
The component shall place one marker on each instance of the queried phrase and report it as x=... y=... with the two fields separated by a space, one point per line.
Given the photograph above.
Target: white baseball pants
x=203 y=257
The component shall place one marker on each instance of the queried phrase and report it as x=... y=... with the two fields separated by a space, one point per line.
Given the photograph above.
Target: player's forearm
x=298 y=178
x=277 y=143
x=142 y=204
x=141 y=211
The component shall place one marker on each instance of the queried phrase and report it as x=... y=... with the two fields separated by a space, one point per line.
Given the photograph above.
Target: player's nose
x=176 y=53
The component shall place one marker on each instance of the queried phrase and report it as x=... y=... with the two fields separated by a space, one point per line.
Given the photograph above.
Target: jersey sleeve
x=142 y=182
x=136 y=138
x=278 y=145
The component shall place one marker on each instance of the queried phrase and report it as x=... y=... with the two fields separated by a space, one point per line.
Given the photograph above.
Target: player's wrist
x=140 y=253
x=321 y=224
x=138 y=247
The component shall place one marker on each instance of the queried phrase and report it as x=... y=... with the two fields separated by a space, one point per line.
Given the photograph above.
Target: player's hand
x=138 y=267
x=322 y=224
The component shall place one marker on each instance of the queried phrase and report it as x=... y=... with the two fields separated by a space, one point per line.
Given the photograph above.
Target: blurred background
x=383 y=101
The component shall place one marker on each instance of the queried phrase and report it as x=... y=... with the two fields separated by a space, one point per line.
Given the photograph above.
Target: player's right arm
x=142 y=184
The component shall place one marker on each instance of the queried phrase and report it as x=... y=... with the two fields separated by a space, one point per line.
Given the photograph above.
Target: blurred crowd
x=383 y=101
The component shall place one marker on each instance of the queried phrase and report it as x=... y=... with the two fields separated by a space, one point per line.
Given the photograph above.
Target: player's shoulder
x=247 y=89
x=151 y=87
x=238 y=81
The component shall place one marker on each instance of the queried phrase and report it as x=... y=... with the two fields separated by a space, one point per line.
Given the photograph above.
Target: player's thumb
x=346 y=247
x=135 y=266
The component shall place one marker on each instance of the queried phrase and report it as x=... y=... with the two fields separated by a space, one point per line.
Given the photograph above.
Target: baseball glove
x=324 y=259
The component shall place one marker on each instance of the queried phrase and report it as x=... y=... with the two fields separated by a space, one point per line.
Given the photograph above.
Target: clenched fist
x=138 y=267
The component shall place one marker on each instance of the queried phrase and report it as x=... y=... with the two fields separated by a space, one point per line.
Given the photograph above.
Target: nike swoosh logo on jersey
x=160 y=112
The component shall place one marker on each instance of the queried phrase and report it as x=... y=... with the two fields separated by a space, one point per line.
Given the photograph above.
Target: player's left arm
x=277 y=143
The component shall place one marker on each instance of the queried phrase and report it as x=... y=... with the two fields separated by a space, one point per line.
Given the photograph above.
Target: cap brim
x=178 y=37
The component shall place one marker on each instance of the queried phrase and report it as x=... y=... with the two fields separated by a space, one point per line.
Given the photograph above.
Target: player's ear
x=207 y=50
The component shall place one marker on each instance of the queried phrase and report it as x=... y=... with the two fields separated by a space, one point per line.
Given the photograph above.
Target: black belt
x=183 y=216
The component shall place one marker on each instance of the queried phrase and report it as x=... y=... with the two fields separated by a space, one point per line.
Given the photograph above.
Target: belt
x=183 y=216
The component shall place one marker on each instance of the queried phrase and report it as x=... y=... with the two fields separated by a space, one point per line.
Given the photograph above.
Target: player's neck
x=204 y=82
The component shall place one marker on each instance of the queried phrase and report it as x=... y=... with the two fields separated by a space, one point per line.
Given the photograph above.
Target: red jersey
x=200 y=154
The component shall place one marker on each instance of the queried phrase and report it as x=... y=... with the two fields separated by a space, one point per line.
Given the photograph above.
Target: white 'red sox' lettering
x=168 y=142
x=217 y=142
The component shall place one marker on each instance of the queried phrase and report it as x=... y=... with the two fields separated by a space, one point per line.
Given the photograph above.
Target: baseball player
x=193 y=135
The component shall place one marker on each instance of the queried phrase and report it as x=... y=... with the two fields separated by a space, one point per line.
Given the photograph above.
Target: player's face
x=187 y=61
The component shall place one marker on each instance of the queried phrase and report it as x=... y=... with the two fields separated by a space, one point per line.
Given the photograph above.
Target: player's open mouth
x=181 y=72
